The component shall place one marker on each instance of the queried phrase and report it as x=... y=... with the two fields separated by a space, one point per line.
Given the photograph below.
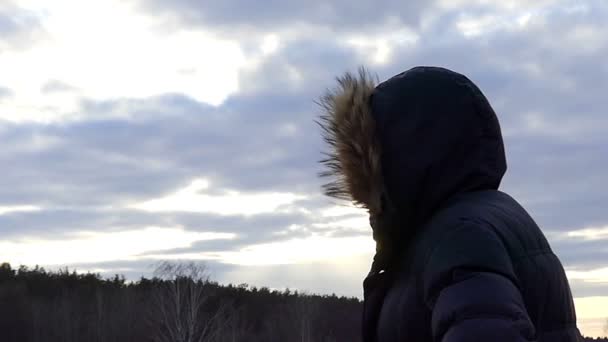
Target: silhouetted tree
x=179 y=298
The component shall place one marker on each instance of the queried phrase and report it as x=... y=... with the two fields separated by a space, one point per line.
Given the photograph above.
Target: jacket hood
x=410 y=143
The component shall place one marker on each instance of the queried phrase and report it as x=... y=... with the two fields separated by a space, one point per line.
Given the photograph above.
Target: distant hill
x=179 y=303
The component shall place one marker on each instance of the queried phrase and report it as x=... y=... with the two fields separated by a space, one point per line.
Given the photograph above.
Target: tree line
x=179 y=303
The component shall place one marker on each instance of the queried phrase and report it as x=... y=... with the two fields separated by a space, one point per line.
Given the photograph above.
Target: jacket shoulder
x=470 y=246
x=463 y=234
x=485 y=213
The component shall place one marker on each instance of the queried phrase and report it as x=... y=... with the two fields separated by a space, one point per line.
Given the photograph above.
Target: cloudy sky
x=144 y=130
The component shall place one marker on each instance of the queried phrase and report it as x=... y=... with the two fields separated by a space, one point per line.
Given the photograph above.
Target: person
x=456 y=259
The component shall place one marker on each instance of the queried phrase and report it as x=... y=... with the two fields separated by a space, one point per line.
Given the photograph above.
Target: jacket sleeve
x=471 y=288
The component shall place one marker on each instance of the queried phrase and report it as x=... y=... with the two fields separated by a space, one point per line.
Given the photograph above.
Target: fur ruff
x=353 y=160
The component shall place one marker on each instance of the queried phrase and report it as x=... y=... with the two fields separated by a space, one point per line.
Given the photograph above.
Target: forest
x=178 y=304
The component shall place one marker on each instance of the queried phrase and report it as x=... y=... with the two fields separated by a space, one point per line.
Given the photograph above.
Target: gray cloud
x=582 y=254
x=587 y=289
x=63 y=223
x=5 y=92
x=98 y=162
x=57 y=224
x=273 y=15
x=55 y=86
x=19 y=28
x=8 y=24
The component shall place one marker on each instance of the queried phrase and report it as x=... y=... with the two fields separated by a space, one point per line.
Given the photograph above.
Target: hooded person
x=456 y=259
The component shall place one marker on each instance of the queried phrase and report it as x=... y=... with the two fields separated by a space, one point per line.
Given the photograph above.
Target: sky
x=136 y=131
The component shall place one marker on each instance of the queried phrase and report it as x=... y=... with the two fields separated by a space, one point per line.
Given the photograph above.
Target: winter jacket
x=456 y=259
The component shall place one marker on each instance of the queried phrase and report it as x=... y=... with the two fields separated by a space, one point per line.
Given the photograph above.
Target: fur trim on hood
x=353 y=160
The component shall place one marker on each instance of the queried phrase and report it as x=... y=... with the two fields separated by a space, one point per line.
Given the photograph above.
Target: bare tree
x=178 y=298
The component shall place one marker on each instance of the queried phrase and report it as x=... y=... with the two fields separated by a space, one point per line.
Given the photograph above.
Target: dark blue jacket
x=473 y=265
x=480 y=270
x=456 y=259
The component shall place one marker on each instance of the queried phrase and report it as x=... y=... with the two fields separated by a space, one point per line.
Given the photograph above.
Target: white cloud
x=108 y=51
x=193 y=199
x=18 y=208
x=88 y=247
x=358 y=224
x=270 y=44
x=591 y=276
x=471 y=27
x=589 y=233
x=343 y=210
x=505 y=6
x=378 y=48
